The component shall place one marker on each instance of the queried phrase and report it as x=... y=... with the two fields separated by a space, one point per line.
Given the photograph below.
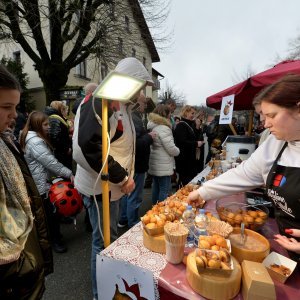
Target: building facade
x=131 y=37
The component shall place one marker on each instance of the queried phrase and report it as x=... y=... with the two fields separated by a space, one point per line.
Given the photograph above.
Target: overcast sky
x=215 y=42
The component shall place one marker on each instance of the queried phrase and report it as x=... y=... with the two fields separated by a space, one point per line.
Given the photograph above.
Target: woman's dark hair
x=8 y=81
x=284 y=92
x=162 y=110
x=34 y=123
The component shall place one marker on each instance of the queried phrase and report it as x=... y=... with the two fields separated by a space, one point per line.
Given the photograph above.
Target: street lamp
x=118 y=87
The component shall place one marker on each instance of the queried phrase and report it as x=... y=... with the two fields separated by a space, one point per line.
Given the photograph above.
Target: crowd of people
x=144 y=141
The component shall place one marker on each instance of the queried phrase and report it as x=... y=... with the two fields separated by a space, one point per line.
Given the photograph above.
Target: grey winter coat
x=163 y=149
x=42 y=163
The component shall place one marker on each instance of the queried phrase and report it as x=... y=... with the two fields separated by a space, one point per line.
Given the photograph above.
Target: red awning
x=246 y=90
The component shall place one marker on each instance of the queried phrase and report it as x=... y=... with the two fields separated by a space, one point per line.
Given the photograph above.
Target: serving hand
x=195 y=199
x=290 y=244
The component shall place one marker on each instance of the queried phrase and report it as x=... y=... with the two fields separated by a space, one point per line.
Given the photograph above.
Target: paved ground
x=71 y=278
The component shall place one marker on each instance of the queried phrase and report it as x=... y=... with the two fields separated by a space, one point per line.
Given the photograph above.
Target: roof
x=146 y=35
x=156 y=73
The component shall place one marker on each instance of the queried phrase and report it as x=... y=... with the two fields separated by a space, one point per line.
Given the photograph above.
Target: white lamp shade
x=119 y=87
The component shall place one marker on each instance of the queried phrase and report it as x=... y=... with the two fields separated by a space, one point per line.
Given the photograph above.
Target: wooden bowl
x=256 y=247
x=213 y=286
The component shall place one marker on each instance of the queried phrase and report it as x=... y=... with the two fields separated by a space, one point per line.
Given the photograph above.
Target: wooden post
x=250 y=122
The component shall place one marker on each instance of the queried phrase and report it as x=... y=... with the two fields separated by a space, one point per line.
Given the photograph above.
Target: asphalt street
x=71 y=278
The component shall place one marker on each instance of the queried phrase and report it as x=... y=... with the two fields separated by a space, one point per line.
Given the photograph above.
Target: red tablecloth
x=170 y=280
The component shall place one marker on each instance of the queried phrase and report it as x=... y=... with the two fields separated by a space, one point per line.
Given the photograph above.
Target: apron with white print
x=283 y=189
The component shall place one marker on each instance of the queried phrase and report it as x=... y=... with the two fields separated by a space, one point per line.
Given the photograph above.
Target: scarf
x=16 y=220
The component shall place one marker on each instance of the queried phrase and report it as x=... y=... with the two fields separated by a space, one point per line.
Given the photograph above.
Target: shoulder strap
x=280 y=153
x=190 y=128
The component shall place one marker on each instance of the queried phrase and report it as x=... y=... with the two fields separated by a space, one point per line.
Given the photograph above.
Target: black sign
x=70 y=94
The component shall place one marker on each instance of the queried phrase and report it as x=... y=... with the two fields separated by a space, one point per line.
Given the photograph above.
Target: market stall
x=170 y=280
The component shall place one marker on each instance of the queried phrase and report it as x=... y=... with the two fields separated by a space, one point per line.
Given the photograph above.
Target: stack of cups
x=175 y=238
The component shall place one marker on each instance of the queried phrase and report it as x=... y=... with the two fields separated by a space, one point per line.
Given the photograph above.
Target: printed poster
x=226 y=109
x=117 y=279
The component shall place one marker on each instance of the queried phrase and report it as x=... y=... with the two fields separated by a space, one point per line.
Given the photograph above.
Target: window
x=81 y=69
x=127 y=24
x=144 y=61
x=133 y=54
x=104 y=70
x=120 y=45
x=17 y=56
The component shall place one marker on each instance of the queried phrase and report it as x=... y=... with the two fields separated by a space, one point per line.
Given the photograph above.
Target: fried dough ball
x=252 y=213
x=153 y=219
x=259 y=221
x=238 y=219
x=204 y=244
x=160 y=223
x=151 y=225
x=262 y=214
x=146 y=220
x=221 y=242
x=214 y=264
x=230 y=216
x=248 y=219
x=200 y=262
x=224 y=256
x=215 y=247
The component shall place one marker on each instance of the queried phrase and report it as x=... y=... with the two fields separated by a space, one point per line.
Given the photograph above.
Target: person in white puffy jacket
x=42 y=165
x=163 y=150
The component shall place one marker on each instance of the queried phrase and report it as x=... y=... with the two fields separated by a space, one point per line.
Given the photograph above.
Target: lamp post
x=117 y=87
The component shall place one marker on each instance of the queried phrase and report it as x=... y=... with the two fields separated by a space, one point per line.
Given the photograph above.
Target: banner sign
x=117 y=279
x=226 y=109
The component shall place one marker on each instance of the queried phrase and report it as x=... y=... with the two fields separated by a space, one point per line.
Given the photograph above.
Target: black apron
x=283 y=189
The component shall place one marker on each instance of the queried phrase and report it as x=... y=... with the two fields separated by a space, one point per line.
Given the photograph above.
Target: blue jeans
x=160 y=188
x=130 y=203
x=97 y=241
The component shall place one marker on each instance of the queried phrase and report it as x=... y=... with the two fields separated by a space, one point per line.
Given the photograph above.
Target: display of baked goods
x=215 y=284
x=213 y=242
x=182 y=194
x=281 y=269
x=236 y=213
x=217 y=260
x=169 y=210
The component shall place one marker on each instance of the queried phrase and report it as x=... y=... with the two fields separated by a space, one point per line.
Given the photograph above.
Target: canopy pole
x=250 y=122
x=232 y=129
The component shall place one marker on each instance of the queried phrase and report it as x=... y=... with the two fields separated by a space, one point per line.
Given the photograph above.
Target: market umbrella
x=246 y=90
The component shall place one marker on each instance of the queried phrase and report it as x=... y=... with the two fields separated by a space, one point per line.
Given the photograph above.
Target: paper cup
x=174 y=252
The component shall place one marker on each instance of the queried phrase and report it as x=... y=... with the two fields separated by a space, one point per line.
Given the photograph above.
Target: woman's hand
x=288 y=243
x=293 y=232
x=194 y=199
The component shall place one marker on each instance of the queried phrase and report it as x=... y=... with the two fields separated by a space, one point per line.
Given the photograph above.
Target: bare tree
x=60 y=34
x=156 y=13
x=169 y=92
x=293 y=49
x=237 y=78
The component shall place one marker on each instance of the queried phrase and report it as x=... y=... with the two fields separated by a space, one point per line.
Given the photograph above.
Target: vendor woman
x=276 y=163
